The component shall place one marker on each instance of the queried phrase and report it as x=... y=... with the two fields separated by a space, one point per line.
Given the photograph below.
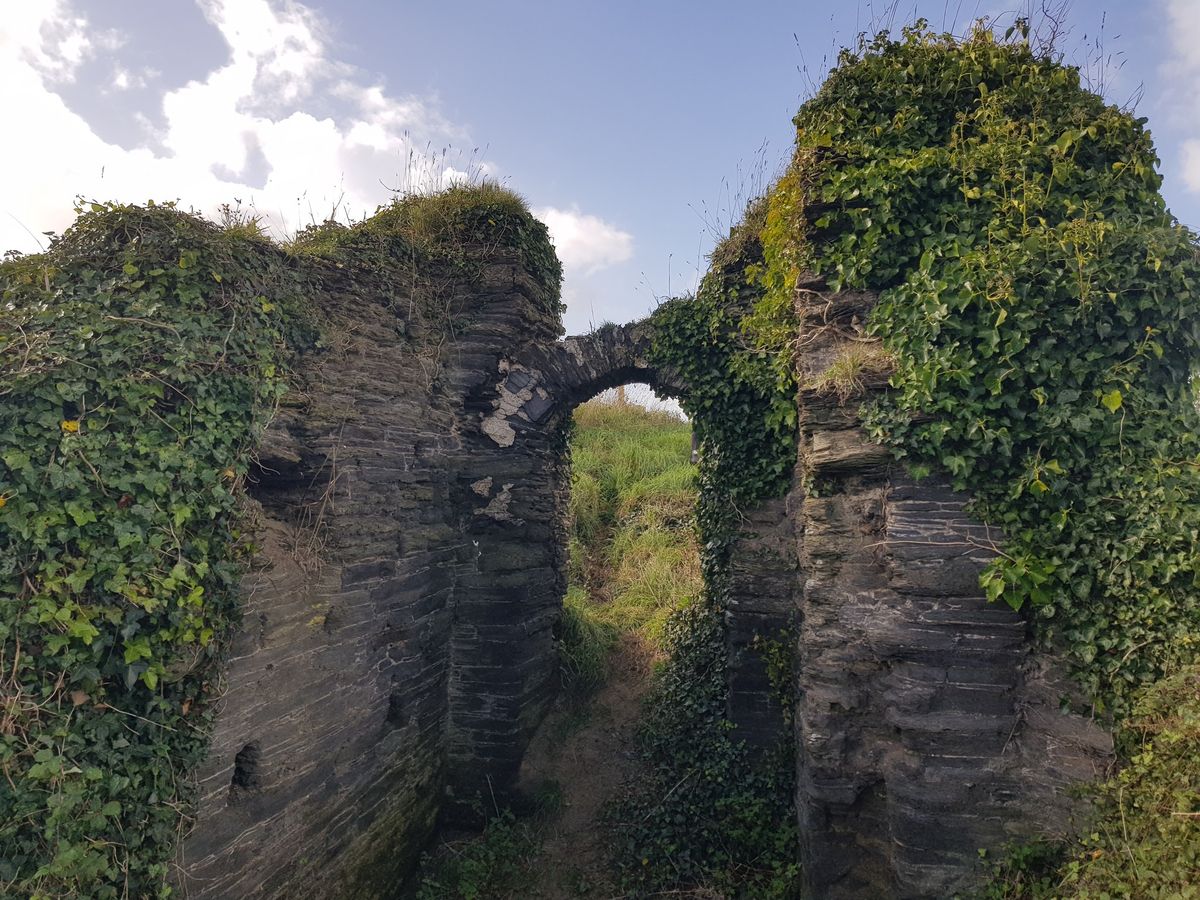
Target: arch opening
x=623 y=534
x=504 y=673
x=630 y=547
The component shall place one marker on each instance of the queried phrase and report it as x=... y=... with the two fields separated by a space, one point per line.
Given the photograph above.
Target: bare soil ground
x=590 y=765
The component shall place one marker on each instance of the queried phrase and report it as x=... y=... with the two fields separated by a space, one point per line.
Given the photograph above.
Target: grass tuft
x=633 y=553
x=845 y=378
x=584 y=644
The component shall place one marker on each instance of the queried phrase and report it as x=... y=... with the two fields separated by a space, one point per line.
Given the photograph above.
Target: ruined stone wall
x=398 y=647
x=372 y=665
x=398 y=650
x=510 y=497
x=925 y=730
x=760 y=618
x=514 y=489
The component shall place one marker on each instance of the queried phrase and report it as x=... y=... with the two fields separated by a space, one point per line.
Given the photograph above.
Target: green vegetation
x=1145 y=841
x=742 y=402
x=140 y=359
x=844 y=377
x=632 y=550
x=1039 y=304
x=709 y=813
x=633 y=562
x=494 y=864
x=1037 y=316
x=438 y=228
x=633 y=556
x=1037 y=313
x=584 y=643
x=143 y=360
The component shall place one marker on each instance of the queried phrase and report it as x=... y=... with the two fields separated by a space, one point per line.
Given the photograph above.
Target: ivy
x=742 y=404
x=141 y=358
x=1040 y=305
x=711 y=812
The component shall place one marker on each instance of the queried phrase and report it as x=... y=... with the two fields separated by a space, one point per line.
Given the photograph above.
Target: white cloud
x=585 y=244
x=1183 y=70
x=281 y=125
x=45 y=37
x=1184 y=30
x=1191 y=164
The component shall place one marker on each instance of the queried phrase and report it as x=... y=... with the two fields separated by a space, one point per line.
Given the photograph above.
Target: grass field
x=633 y=555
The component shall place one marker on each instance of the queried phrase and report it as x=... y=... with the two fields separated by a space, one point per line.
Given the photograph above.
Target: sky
x=636 y=129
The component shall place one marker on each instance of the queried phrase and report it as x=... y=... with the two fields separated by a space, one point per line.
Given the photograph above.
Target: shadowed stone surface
x=385 y=527
x=397 y=650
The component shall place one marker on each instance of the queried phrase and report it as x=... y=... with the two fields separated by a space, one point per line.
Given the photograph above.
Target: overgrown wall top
x=1038 y=313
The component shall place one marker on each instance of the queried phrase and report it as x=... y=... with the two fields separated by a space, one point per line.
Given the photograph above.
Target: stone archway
x=923 y=722
x=504 y=670
x=533 y=392
x=404 y=676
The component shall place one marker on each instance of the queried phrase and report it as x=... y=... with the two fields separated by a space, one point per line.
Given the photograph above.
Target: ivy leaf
x=16 y=460
x=137 y=648
x=993 y=586
x=81 y=513
x=83 y=631
x=1112 y=400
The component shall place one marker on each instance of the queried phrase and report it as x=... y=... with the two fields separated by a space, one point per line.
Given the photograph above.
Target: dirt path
x=590 y=766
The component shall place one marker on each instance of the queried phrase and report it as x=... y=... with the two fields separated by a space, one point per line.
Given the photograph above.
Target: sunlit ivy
x=1041 y=306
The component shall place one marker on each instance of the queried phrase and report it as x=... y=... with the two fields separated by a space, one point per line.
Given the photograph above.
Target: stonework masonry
x=375 y=663
x=925 y=728
x=398 y=650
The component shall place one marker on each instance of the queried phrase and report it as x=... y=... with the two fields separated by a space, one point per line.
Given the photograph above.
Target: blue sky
x=635 y=129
